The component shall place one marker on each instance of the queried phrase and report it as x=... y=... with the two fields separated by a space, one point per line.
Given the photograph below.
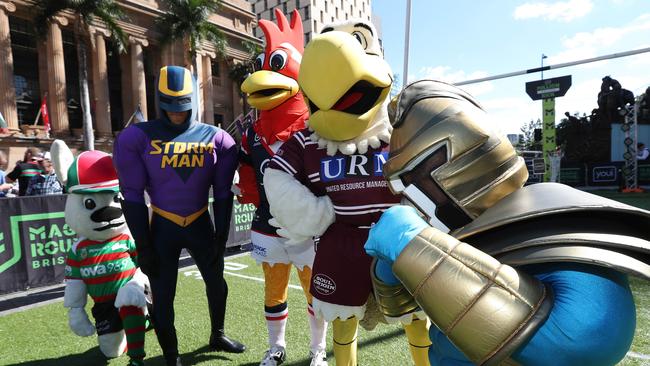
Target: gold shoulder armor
x=550 y=222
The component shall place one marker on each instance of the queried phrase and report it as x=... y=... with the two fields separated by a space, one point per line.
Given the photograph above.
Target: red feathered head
x=284 y=45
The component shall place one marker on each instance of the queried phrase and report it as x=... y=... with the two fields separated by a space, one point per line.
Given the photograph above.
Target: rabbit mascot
x=102 y=263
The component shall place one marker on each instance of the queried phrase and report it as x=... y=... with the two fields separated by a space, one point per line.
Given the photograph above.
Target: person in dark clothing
x=26 y=169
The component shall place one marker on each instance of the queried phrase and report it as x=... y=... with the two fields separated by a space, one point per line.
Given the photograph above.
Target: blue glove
x=395 y=229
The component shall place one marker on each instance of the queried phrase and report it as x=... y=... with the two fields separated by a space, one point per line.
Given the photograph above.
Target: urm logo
x=340 y=167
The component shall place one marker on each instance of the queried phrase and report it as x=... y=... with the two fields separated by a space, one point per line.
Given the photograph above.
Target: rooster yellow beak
x=267 y=89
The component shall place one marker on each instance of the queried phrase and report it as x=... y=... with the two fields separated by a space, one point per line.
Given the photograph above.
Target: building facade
x=33 y=69
x=314 y=13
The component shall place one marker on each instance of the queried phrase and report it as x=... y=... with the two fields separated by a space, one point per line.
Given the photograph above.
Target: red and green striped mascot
x=103 y=261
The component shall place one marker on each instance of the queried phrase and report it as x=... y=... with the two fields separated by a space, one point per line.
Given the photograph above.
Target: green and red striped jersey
x=104 y=266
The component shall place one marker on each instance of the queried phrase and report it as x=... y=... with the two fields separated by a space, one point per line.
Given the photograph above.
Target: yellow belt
x=179 y=220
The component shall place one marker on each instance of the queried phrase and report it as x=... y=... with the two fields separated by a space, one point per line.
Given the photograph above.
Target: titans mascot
x=177 y=160
x=533 y=275
x=327 y=181
x=273 y=89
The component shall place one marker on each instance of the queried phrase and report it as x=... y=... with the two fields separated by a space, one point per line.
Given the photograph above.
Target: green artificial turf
x=40 y=336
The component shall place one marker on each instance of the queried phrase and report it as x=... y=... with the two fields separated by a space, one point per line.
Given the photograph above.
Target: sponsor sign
x=34 y=239
x=539 y=167
x=548 y=88
x=604 y=174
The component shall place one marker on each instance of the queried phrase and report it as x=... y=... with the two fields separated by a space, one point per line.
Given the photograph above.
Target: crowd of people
x=32 y=176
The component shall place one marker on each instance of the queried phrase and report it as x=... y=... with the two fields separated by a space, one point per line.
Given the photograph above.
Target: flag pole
x=130 y=119
x=132 y=116
x=38 y=115
x=407 y=34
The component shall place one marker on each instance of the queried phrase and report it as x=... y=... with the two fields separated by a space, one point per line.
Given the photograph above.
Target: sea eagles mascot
x=273 y=90
x=103 y=262
x=327 y=181
x=533 y=275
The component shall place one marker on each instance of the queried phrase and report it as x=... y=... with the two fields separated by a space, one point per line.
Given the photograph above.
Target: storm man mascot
x=533 y=275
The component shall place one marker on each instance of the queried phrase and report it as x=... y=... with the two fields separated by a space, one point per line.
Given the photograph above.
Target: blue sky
x=467 y=39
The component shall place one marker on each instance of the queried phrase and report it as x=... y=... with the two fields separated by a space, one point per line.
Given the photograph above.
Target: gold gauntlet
x=486 y=308
x=393 y=301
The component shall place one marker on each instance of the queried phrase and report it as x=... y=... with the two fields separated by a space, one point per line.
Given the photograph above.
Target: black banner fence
x=34 y=240
x=596 y=175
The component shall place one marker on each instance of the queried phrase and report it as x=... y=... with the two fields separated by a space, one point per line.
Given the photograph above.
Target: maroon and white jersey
x=359 y=193
x=354 y=183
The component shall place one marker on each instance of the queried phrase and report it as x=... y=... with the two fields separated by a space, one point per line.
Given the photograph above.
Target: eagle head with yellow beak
x=346 y=82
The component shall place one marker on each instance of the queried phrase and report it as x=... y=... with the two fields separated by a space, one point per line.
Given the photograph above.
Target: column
x=7 y=90
x=236 y=97
x=125 y=80
x=56 y=99
x=208 y=99
x=137 y=74
x=100 y=86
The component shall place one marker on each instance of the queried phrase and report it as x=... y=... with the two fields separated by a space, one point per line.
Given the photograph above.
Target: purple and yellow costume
x=177 y=165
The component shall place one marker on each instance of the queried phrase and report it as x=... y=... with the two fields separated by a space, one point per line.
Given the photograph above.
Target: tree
x=86 y=12
x=584 y=139
x=240 y=71
x=528 y=133
x=188 y=20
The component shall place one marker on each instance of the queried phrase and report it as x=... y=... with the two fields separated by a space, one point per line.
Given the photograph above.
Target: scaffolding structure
x=629 y=127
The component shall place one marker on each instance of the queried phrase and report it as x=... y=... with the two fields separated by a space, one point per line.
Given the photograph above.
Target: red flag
x=46 y=116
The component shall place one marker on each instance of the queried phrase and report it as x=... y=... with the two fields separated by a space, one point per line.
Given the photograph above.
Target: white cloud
x=603 y=37
x=591 y=44
x=508 y=114
x=446 y=74
x=564 y=11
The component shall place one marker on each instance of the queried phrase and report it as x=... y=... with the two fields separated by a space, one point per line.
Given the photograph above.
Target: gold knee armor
x=486 y=308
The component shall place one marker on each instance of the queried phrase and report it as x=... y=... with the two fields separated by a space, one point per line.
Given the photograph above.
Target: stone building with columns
x=32 y=69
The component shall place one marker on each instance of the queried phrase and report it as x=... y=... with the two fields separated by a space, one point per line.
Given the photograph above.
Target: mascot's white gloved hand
x=294 y=238
x=132 y=293
x=75 y=297
x=298 y=213
x=79 y=322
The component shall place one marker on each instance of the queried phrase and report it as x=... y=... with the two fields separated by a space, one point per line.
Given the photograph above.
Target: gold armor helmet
x=444 y=158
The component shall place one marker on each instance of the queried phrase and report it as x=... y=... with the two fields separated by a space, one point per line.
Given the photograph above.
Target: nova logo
x=93 y=271
x=340 y=167
x=102 y=269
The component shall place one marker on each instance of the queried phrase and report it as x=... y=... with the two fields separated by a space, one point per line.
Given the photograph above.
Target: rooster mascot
x=508 y=274
x=327 y=181
x=273 y=89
